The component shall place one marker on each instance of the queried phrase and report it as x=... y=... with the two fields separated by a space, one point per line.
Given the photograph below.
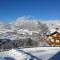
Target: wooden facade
x=54 y=39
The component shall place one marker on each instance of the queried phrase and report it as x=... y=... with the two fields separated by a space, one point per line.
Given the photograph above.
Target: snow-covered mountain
x=20 y=27
x=24 y=27
x=26 y=23
x=53 y=24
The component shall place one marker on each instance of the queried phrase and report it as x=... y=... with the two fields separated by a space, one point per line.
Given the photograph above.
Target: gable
x=54 y=34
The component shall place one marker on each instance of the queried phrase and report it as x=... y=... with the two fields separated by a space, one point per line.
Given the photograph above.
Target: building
x=53 y=39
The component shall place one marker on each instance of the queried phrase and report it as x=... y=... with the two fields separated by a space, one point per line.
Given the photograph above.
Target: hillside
x=39 y=53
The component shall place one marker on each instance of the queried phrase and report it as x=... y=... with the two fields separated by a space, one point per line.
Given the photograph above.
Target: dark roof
x=54 y=33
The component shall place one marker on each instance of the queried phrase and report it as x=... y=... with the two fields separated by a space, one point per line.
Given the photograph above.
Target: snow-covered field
x=38 y=53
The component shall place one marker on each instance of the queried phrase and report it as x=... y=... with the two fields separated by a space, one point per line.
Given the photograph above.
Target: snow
x=52 y=25
x=12 y=53
x=16 y=54
x=43 y=53
x=25 y=27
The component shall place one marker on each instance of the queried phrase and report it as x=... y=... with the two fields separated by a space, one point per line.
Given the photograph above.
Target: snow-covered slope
x=52 y=25
x=43 y=53
x=16 y=55
x=38 y=53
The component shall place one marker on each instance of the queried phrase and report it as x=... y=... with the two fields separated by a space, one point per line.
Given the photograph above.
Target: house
x=53 y=39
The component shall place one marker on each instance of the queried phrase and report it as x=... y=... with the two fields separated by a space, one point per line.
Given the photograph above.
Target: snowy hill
x=52 y=24
x=26 y=26
x=38 y=53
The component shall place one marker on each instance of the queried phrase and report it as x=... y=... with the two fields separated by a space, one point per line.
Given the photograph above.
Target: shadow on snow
x=32 y=57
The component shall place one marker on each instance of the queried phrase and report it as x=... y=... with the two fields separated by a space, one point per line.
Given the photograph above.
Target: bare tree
x=43 y=28
x=42 y=33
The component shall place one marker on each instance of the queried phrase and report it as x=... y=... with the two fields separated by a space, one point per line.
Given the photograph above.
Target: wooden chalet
x=54 y=39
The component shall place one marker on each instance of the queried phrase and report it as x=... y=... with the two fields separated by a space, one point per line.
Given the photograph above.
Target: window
x=57 y=41
x=50 y=37
x=52 y=40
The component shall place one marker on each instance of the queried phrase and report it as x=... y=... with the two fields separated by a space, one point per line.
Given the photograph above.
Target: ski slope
x=38 y=53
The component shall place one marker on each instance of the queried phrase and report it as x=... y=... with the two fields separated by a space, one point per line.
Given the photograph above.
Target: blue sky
x=10 y=10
